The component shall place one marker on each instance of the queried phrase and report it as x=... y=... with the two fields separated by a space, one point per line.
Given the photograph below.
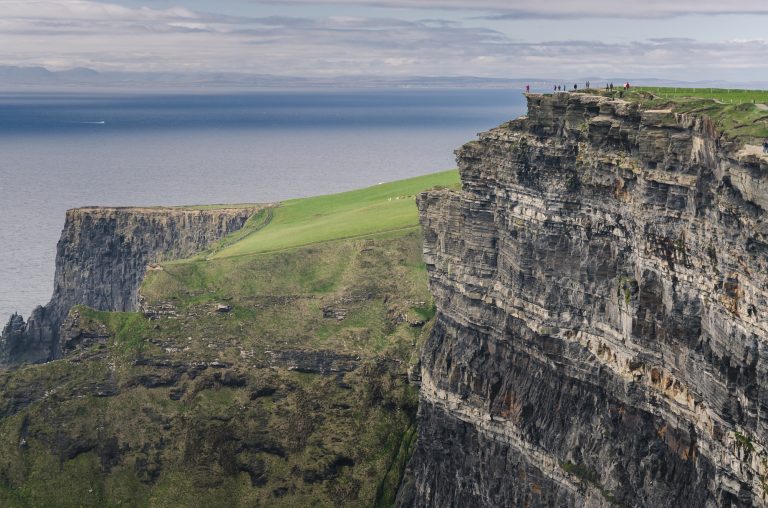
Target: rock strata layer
x=101 y=259
x=601 y=283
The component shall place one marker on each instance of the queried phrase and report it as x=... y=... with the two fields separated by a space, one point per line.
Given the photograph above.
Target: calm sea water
x=59 y=151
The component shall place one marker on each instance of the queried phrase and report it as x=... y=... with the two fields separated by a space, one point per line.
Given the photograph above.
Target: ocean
x=66 y=150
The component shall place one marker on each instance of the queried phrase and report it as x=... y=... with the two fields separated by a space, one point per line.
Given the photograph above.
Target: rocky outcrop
x=315 y=362
x=601 y=282
x=101 y=259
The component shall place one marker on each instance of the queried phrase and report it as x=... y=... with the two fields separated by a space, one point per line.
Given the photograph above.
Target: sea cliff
x=101 y=259
x=601 y=283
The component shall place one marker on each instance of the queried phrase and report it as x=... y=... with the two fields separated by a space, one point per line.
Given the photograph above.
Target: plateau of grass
x=723 y=95
x=374 y=210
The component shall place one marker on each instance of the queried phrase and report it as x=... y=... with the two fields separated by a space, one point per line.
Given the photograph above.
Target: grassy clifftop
x=269 y=371
x=741 y=115
x=374 y=210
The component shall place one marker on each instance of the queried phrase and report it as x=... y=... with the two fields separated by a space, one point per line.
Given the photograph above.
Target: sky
x=686 y=40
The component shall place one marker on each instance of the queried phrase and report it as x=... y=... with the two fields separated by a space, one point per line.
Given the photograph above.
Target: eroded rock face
x=101 y=259
x=601 y=283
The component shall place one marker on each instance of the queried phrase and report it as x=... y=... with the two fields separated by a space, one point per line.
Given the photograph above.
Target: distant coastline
x=14 y=78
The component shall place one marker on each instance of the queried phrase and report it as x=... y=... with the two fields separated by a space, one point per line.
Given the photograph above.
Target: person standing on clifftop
x=587 y=85
x=575 y=86
x=527 y=88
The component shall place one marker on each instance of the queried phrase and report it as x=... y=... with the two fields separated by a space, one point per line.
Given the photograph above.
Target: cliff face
x=101 y=260
x=601 y=283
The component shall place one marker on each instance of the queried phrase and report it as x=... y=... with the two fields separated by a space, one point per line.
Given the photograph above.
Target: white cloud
x=85 y=10
x=566 y=8
x=78 y=33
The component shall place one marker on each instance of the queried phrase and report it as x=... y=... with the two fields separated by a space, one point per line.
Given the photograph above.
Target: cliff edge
x=101 y=259
x=601 y=283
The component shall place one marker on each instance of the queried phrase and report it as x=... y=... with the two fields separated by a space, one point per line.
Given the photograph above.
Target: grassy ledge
x=374 y=210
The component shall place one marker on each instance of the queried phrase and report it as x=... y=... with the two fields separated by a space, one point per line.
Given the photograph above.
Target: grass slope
x=382 y=208
x=201 y=408
x=723 y=95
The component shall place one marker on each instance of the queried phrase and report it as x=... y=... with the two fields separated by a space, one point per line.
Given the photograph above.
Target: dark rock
x=334 y=313
x=195 y=370
x=71 y=446
x=109 y=454
x=31 y=342
x=598 y=337
x=280 y=491
x=315 y=362
x=147 y=470
x=153 y=380
x=329 y=471
x=12 y=340
x=107 y=389
x=75 y=335
x=233 y=379
x=265 y=391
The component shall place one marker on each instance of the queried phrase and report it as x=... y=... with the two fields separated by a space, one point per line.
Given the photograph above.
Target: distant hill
x=39 y=77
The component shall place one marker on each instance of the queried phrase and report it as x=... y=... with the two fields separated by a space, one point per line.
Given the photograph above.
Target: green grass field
x=316 y=250
x=723 y=95
x=378 y=209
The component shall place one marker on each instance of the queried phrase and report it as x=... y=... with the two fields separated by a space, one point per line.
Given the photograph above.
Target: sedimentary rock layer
x=601 y=281
x=101 y=259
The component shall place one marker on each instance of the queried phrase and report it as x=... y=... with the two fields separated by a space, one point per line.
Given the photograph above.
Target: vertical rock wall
x=101 y=260
x=602 y=332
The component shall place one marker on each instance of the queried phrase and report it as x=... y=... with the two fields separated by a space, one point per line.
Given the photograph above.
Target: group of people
x=562 y=88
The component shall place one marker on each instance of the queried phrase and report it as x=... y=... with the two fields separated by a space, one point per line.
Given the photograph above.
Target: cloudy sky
x=671 y=39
